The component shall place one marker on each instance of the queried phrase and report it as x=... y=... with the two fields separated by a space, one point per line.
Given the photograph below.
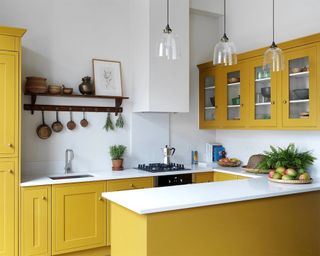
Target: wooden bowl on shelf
x=36 y=85
x=55 y=89
x=67 y=91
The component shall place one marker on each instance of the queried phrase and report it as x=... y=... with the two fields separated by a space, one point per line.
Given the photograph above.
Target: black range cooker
x=167 y=180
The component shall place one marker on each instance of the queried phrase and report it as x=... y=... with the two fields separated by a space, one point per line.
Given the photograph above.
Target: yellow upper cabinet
x=299 y=88
x=263 y=95
x=208 y=99
x=9 y=105
x=10 y=38
x=7 y=208
x=233 y=95
x=254 y=98
x=36 y=221
x=78 y=217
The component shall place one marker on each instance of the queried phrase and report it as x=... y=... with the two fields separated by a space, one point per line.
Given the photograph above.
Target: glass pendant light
x=225 y=50
x=273 y=57
x=169 y=45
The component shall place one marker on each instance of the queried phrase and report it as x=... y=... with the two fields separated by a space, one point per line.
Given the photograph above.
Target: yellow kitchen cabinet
x=234 y=95
x=8 y=195
x=202 y=177
x=209 y=91
x=220 y=176
x=8 y=103
x=36 y=221
x=78 y=217
x=299 y=77
x=242 y=177
x=125 y=184
x=263 y=95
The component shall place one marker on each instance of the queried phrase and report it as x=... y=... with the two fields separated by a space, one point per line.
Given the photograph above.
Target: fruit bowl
x=291 y=181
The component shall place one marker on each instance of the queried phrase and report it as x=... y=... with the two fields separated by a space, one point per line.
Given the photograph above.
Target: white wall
x=250 y=27
x=62 y=38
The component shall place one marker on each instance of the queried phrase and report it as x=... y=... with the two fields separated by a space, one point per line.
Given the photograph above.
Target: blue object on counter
x=217 y=153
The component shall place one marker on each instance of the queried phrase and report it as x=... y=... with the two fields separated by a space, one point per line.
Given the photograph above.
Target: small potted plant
x=116 y=153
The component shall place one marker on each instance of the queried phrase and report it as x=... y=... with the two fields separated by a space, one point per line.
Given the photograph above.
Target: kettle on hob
x=168 y=152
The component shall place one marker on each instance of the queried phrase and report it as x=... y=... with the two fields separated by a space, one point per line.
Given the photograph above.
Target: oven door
x=173 y=180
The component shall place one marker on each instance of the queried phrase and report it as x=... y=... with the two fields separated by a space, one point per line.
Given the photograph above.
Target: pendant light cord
x=225 y=18
x=168 y=12
x=273 y=21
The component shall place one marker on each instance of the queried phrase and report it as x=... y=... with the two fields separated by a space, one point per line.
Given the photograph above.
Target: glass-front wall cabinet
x=233 y=96
x=207 y=99
x=262 y=95
x=300 y=88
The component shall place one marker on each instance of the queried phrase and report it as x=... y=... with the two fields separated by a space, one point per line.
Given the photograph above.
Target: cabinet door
x=299 y=94
x=219 y=176
x=7 y=208
x=263 y=95
x=242 y=177
x=235 y=93
x=208 y=102
x=203 y=177
x=36 y=221
x=78 y=217
x=125 y=184
x=9 y=103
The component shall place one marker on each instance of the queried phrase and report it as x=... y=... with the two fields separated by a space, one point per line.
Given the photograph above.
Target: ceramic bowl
x=55 y=89
x=67 y=91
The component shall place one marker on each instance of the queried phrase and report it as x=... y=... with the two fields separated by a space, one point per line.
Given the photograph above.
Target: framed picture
x=107 y=77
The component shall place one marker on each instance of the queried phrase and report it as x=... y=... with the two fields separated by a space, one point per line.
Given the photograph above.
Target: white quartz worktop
x=154 y=200
x=28 y=181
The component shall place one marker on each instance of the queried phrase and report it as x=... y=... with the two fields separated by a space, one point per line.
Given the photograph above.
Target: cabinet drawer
x=202 y=177
x=127 y=184
x=7 y=43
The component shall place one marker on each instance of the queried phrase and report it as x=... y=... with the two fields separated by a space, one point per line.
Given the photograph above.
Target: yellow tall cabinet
x=10 y=55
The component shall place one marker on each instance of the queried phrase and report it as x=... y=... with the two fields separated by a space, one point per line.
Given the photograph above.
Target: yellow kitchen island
x=234 y=218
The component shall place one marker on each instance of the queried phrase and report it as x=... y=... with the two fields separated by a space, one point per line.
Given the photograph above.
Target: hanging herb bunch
x=109 y=124
x=120 y=122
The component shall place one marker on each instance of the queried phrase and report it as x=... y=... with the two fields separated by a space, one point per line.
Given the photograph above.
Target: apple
x=304 y=176
x=280 y=170
x=277 y=176
x=287 y=177
x=271 y=173
x=291 y=172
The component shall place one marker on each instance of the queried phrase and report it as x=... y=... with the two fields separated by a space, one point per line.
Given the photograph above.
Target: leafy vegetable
x=288 y=157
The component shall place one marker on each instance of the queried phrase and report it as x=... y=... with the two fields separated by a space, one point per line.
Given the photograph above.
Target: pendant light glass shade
x=225 y=51
x=273 y=57
x=169 y=45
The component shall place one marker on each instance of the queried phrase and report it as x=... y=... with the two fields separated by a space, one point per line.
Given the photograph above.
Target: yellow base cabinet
x=202 y=177
x=125 y=184
x=220 y=176
x=78 y=217
x=7 y=207
x=287 y=100
x=36 y=221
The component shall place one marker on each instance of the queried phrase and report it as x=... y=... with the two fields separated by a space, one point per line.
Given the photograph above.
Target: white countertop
x=154 y=200
x=28 y=181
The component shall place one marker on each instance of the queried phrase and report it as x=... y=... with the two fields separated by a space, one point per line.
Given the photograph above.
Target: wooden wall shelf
x=65 y=108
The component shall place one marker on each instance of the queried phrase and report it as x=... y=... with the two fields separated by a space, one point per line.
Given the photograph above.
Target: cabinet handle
x=242 y=105
x=9 y=171
x=132 y=186
x=273 y=102
x=10 y=145
x=216 y=106
x=44 y=198
x=284 y=102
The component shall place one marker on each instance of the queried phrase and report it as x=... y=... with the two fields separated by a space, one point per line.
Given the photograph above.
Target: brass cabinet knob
x=273 y=102
x=132 y=186
x=11 y=171
x=100 y=198
x=216 y=106
x=10 y=145
x=284 y=102
x=242 y=105
x=44 y=198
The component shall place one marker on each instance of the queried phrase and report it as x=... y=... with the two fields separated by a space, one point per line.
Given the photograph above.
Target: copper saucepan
x=43 y=130
x=57 y=126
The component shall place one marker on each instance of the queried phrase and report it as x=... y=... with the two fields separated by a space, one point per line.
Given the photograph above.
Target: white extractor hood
x=159 y=85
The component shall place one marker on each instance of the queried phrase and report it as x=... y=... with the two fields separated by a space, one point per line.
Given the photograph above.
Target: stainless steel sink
x=76 y=176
